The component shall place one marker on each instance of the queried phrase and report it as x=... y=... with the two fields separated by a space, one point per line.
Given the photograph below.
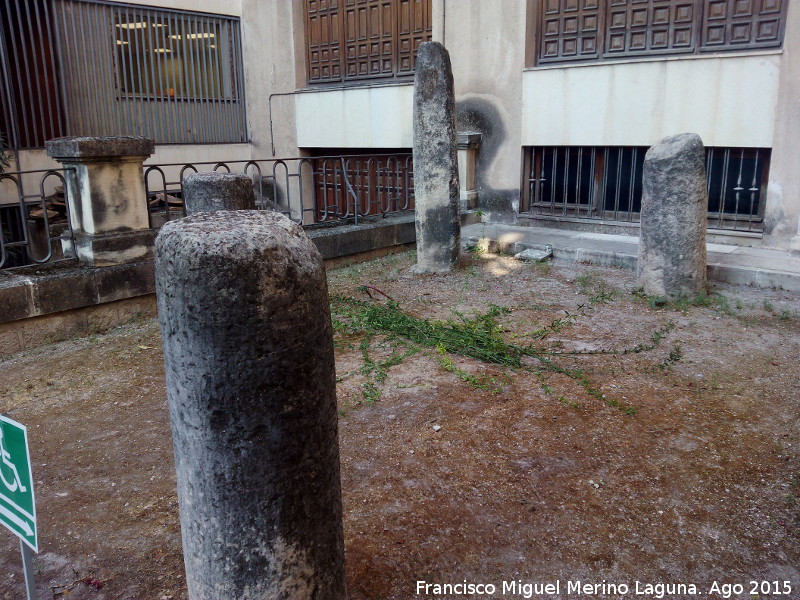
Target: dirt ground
x=673 y=463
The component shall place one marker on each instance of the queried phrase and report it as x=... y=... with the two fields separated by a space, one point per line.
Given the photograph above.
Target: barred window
x=351 y=40
x=162 y=55
x=571 y=30
x=92 y=68
x=605 y=182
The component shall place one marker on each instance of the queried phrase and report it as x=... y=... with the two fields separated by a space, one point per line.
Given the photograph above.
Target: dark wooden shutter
x=413 y=28
x=350 y=40
x=650 y=27
x=590 y=30
x=368 y=26
x=570 y=30
x=323 y=31
x=729 y=24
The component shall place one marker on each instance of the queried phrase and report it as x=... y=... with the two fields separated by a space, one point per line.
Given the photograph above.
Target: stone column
x=672 y=246
x=243 y=308
x=106 y=197
x=436 y=190
x=212 y=191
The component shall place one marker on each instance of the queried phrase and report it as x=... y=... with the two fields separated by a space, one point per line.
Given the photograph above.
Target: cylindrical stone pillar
x=672 y=243
x=436 y=191
x=212 y=191
x=244 y=315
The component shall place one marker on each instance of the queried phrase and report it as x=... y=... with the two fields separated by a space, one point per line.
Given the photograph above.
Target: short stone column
x=106 y=197
x=245 y=321
x=672 y=245
x=212 y=191
x=436 y=190
x=467 y=144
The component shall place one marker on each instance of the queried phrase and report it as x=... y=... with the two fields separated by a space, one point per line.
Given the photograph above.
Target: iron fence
x=34 y=218
x=605 y=183
x=308 y=190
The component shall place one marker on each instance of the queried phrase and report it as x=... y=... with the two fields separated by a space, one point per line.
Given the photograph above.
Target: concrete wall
x=729 y=99
x=486 y=41
x=637 y=103
x=273 y=38
x=364 y=117
x=782 y=215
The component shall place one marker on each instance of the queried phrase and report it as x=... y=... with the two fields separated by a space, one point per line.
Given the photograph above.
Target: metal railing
x=34 y=218
x=308 y=190
x=605 y=183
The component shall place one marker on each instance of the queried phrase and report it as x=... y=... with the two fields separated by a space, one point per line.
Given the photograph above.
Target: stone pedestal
x=107 y=201
x=212 y=191
x=436 y=188
x=467 y=144
x=672 y=246
x=248 y=351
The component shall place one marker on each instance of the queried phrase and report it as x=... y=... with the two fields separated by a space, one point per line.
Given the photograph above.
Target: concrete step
x=731 y=263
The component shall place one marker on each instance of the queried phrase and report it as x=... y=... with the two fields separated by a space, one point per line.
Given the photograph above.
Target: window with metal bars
x=352 y=40
x=92 y=67
x=159 y=57
x=597 y=182
x=587 y=30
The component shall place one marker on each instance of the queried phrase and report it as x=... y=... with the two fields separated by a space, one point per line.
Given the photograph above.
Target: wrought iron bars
x=35 y=229
x=590 y=182
x=308 y=190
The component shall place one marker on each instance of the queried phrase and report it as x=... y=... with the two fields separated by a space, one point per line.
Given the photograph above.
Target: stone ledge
x=99 y=147
x=53 y=288
x=107 y=249
x=467 y=140
x=378 y=232
x=37 y=291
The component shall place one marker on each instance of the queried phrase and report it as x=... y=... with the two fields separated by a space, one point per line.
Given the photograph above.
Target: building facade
x=566 y=95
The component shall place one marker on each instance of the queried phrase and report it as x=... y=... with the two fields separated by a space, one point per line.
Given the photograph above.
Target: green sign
x=17 y=508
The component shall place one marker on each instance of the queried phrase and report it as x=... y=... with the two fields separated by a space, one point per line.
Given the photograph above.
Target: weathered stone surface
x=531 y=255
x=243 y=308
x=96 y=147
x=211 y=191
x=672 y=246
x=105 y=193
x=436 y=188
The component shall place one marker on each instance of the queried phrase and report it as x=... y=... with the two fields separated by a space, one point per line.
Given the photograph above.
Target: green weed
x=674 y=356
x=481 y=382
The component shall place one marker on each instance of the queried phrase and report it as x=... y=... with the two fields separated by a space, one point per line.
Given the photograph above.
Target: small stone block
x=531 y=255
x=212 y=191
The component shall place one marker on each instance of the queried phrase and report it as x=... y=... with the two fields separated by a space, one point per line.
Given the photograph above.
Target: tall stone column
x=107 y=201
x=212 y=191
x=672 y=245
x=436 y=190
x=244 y=314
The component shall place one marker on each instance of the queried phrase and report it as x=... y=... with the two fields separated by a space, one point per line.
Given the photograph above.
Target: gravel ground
x=673 y=463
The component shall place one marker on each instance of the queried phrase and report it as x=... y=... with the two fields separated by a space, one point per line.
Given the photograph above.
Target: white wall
x=368 y=117
x=728 y=101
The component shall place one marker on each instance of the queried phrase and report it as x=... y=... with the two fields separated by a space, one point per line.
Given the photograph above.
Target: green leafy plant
x=479 y=336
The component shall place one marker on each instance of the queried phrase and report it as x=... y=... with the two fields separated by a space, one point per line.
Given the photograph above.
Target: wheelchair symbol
x=15 y=484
